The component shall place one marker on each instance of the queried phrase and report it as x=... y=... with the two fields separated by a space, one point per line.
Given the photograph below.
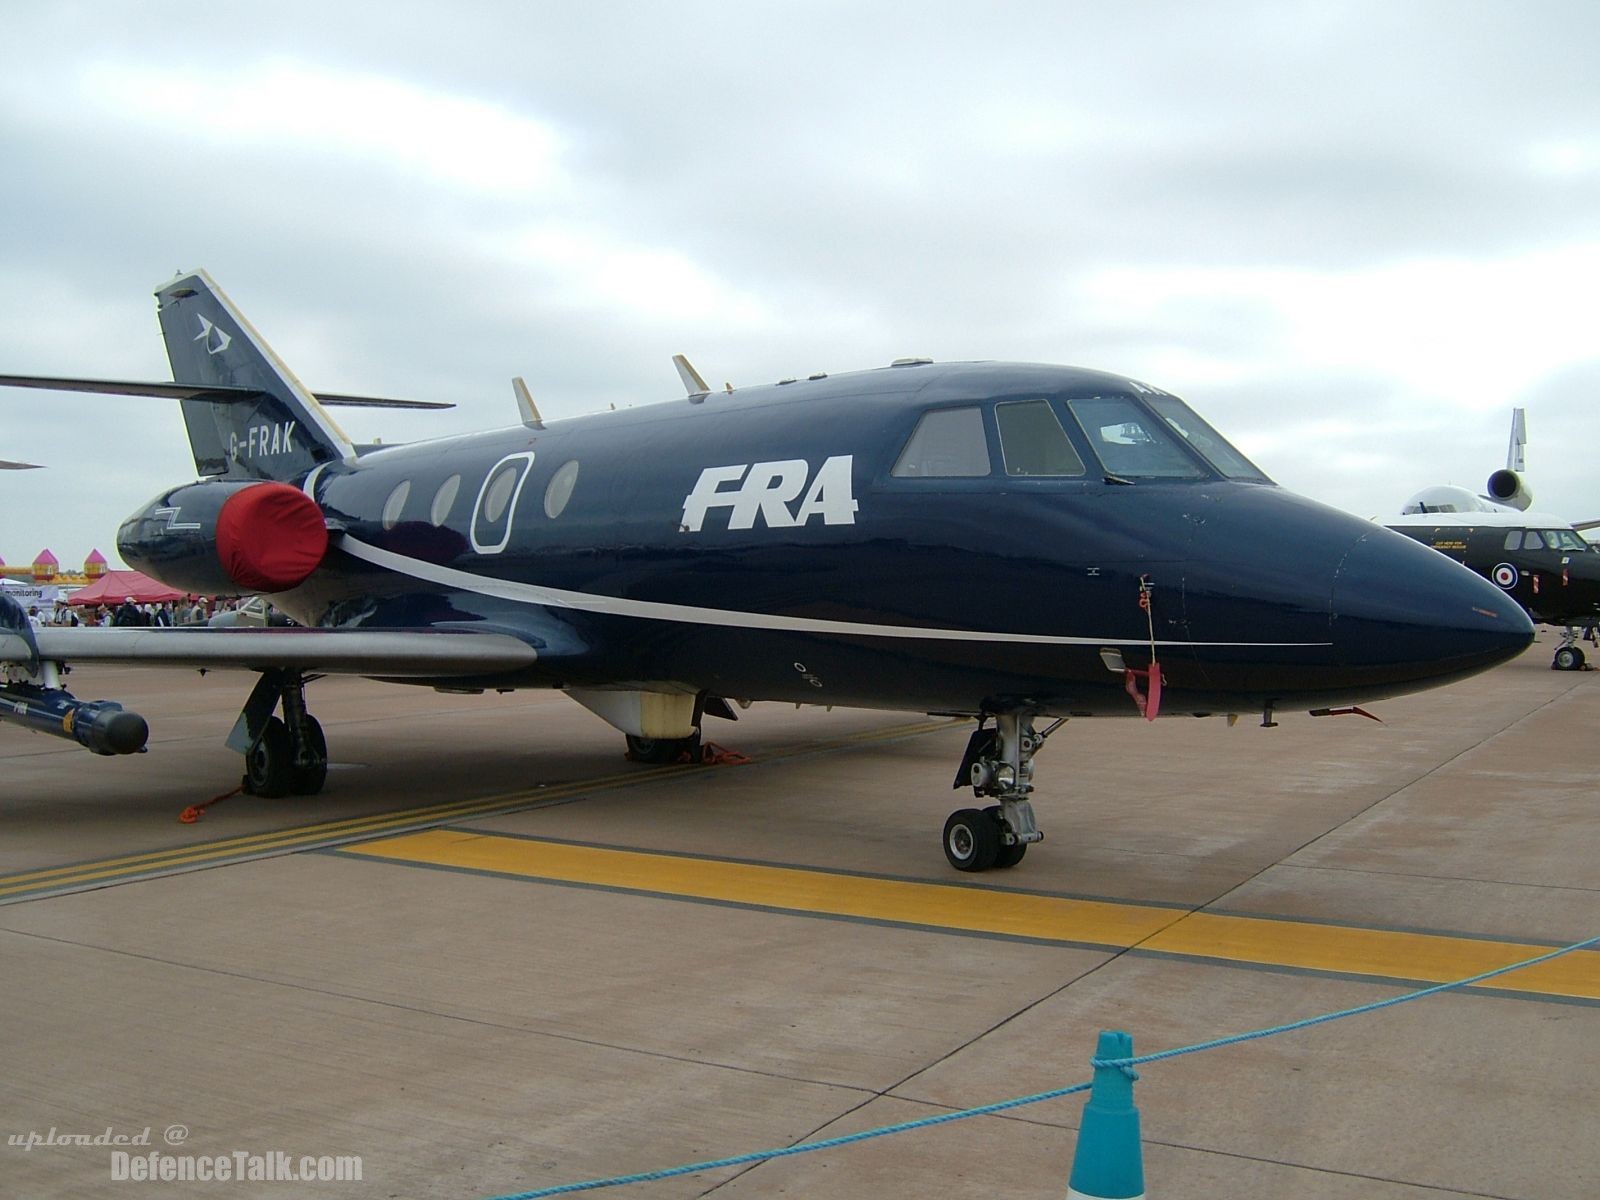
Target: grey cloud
x=882 y=179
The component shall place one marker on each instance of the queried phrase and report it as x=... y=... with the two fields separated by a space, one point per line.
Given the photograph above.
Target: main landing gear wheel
x=1568 y=658
x=270 y=762
x=290 y=757
x=306 y=779
x=660 y=751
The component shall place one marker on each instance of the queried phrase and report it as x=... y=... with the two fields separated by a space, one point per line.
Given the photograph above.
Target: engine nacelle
x=1506 y=487
x=226 y=537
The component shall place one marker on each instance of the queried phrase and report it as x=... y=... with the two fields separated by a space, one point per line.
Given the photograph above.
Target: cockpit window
x=1129 y=443
x=948 y=443
x=1213 y=447
x=1032 y=441
x=1554 y=539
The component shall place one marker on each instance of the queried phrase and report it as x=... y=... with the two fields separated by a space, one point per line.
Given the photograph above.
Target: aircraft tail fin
x=279 y=433
x=1515 y=452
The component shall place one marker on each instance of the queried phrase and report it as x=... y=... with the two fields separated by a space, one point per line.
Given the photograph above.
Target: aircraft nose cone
x=1404 y=615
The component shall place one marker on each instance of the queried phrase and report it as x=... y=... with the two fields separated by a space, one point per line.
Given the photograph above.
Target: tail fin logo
x=216 y=340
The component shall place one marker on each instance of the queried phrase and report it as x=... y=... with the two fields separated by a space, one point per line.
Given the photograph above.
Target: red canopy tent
x=116 y=586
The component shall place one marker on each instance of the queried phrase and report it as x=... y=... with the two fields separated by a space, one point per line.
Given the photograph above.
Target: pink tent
x=116 y=586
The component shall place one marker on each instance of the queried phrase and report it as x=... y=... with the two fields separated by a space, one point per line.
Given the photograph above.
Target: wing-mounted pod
x=102 y=726
x=1506 y=487
x=31 y=695
x=227 y=536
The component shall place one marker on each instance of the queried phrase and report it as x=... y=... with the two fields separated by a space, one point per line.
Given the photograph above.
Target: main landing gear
x=998 y=764
x=282 y=756
x=659 y=751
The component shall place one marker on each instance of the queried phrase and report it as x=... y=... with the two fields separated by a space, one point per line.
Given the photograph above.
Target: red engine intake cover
x=270 y=537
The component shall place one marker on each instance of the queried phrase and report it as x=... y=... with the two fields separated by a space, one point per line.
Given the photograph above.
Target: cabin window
x=948 y=443
x=498 y=494
x=1514 y=540
x=1032 y=441
x=497 y=501
x=395 y=504
x=443 y=499
x=559 y=490
x=1128 y=442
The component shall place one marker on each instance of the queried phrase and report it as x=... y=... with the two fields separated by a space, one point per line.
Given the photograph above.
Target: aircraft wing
x=388 y=653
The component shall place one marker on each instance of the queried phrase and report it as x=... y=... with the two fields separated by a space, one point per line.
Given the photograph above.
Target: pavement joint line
x=41 y=882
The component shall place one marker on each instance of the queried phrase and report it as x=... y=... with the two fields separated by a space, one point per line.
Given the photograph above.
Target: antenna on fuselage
x=525 y=404
x=693 y=384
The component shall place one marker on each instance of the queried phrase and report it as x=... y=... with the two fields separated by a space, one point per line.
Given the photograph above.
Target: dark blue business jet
x=1017 y=544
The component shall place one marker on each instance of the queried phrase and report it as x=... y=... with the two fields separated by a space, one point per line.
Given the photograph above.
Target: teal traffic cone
x=1109 y=1161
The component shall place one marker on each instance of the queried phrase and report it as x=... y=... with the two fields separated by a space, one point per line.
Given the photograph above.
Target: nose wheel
x=999 y=764
x=1569 y=655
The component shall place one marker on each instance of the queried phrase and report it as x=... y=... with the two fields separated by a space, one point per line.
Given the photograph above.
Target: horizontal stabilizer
x=197 y=391
x=336 y=400
x=15 y=466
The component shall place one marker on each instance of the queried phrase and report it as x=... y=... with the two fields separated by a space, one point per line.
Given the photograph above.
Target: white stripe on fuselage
x=650 y=610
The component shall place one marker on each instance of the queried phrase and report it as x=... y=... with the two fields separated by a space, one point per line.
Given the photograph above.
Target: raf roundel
x=1505 y=575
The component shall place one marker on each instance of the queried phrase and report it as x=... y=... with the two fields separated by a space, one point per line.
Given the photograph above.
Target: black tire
x=1568 y=658
x=308 y=780
x=1008 y=855
x=971 y=840
x=269 y=763
x=660 y=751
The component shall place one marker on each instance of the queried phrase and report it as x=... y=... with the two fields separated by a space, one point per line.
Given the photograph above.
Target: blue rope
x=803 y=1148
x=1124 y=1065
x=1235 y=1039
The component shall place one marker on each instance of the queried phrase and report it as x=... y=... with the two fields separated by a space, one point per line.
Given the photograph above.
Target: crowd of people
x=196 y=612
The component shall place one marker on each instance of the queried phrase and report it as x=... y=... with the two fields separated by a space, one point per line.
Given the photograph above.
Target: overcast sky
x=1353 y=235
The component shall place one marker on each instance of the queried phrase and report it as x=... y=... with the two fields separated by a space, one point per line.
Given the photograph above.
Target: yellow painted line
x=250 y=843
x=949 y=907
x=53 y=879
x=1389 y=953
x=1335 y=949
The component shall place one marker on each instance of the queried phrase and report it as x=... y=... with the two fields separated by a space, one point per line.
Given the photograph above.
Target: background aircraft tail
x=262 y=423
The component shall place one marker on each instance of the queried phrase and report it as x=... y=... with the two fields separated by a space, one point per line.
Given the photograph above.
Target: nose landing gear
x=998 y=764
x=1569 y=655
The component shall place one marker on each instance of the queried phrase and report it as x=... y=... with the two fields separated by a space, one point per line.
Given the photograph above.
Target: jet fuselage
x=774 y=544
